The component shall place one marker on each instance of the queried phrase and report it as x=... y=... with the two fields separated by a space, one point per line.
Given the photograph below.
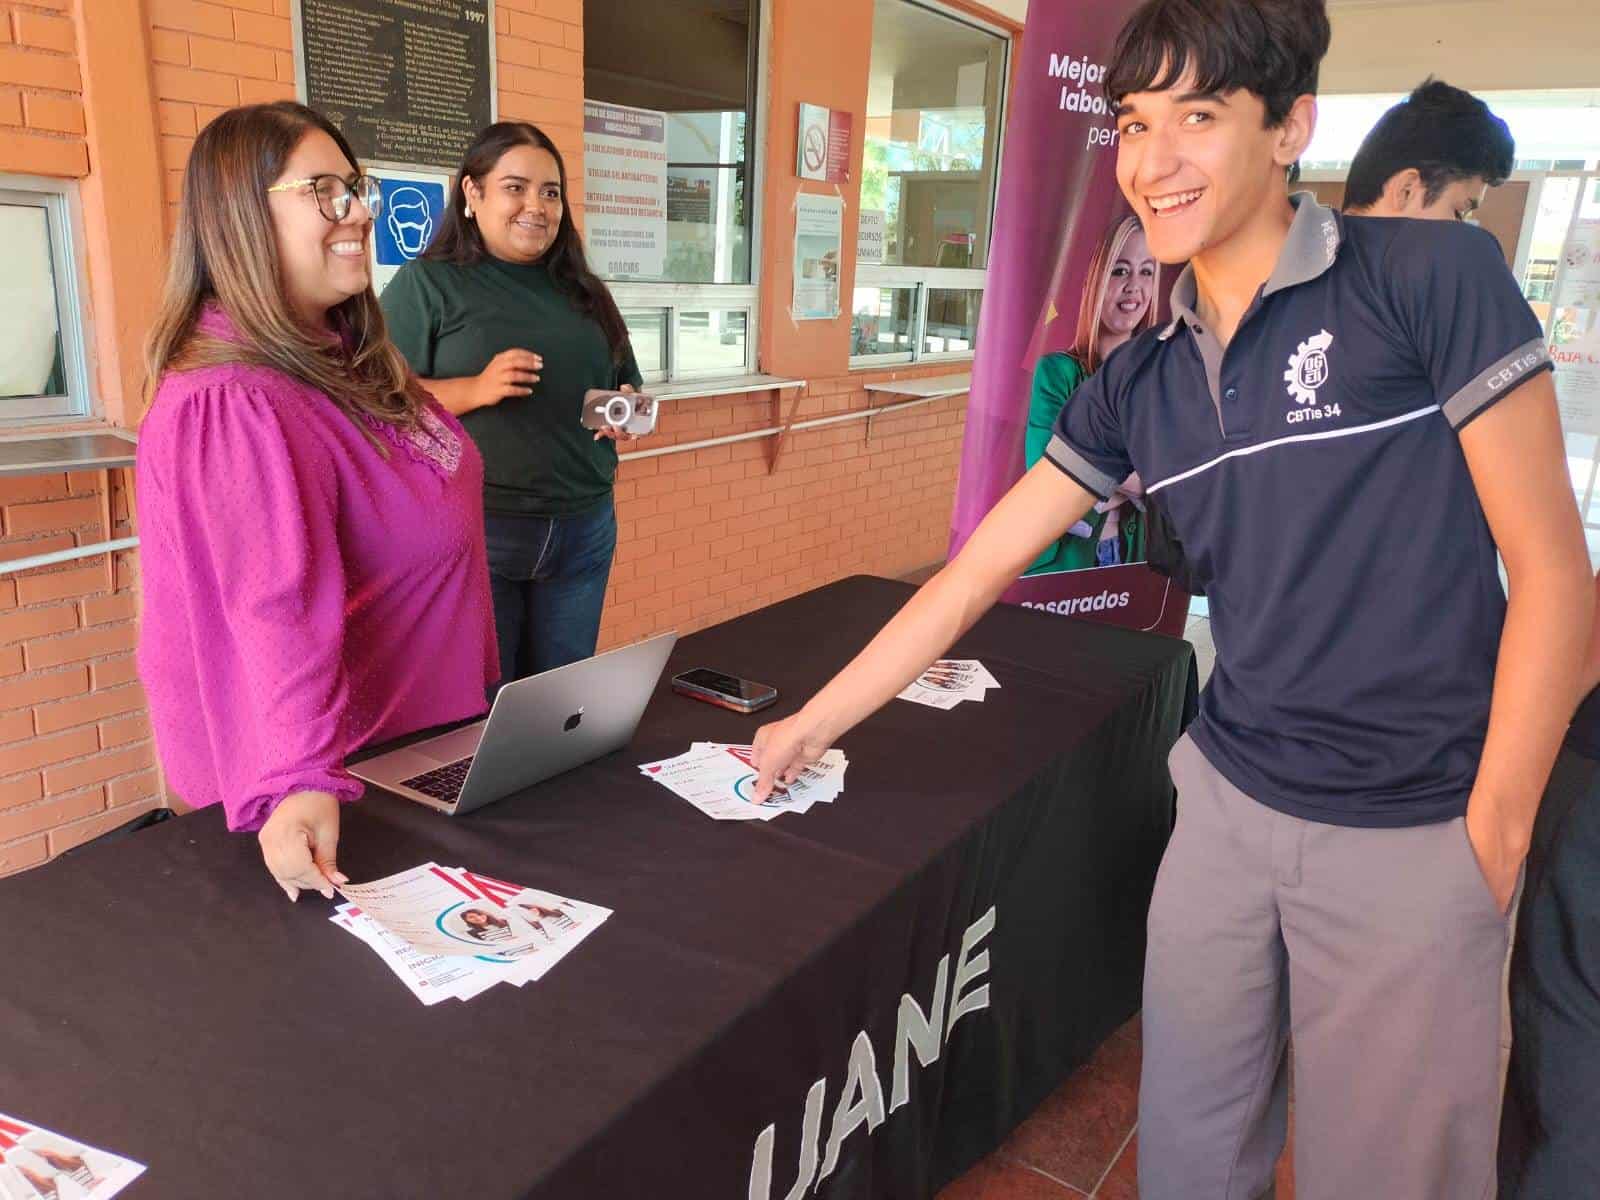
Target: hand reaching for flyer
x=785 y=748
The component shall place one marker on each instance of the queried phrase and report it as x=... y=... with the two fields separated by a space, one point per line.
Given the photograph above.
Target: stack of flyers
x=720 y=780
x=450 y=933
x=36 y=1164
x=950 y=681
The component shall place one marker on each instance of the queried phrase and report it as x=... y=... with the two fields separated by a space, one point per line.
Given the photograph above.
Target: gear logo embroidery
x=1308 y=368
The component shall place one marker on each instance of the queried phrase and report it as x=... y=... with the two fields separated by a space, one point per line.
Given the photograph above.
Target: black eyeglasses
x=334 y=193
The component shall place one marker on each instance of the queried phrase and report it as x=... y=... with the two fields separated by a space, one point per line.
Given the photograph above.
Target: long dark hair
x=458 y=240
x=224 y=251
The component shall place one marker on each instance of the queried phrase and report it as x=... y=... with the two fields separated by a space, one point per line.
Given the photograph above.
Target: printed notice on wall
x=625 y=190
x=406 y=81
x=818 y=231
x=1575 y=330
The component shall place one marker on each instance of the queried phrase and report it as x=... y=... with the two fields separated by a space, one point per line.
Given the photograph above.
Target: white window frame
x=925 y=279
x=63 y=215
x=674 y=299
x=677 y=298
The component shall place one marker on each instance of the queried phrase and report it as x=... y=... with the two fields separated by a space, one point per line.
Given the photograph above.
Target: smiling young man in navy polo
x=1345 y=419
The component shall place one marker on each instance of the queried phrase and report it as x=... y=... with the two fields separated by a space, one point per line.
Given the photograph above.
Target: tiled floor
x=1082 y=1141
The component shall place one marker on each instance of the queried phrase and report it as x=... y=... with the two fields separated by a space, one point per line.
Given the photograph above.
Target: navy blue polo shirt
x=1314 y=472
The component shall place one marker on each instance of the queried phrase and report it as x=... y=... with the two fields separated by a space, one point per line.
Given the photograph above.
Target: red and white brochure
x=719 y=779
x=949 y=682
x=449 y=932
x=38 y=1164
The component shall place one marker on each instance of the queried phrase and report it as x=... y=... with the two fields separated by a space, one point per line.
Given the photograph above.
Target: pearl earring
x=466 y=211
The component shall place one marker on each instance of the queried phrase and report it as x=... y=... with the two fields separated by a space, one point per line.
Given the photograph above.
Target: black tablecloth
x=161 y=1000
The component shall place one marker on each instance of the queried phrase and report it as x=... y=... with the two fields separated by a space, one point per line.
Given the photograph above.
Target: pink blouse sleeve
x=256 y=526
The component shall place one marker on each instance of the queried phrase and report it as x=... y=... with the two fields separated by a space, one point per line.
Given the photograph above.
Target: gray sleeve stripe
x=1075 y=465
x=1500 y=379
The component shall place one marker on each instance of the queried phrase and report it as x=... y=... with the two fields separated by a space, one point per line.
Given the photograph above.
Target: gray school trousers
x=1380 y=951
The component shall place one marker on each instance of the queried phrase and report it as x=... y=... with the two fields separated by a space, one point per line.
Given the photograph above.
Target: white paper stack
x=450 y=933
x=950 y=681
x=36 y=1163
x=720 y=780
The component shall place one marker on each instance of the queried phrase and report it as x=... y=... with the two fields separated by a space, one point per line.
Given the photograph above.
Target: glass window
x=691 y=61
x=952 y=323
x=713 y=342
x=647 y=330
x=41 y=367
x=935 y=96
x=932 y=134
x=1551 y=224
x=882 y=320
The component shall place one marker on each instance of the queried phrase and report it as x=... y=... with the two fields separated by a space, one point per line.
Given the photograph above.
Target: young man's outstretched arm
x=1034 y=513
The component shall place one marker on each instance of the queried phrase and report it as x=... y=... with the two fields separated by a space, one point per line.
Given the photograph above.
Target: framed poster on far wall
x=408 y=82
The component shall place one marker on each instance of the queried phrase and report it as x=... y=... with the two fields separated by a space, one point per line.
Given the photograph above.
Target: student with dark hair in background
x=1435 y=154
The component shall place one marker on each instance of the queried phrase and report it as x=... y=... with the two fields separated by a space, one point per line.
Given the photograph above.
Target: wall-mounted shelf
x=94 y=451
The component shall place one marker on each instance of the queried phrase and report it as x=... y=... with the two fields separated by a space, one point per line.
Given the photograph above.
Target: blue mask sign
x=412 y=209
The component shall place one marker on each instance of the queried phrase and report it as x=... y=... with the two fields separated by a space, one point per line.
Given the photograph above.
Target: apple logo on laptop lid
x=573 y=721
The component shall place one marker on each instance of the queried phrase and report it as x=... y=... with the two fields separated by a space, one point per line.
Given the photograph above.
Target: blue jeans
x=548 y=579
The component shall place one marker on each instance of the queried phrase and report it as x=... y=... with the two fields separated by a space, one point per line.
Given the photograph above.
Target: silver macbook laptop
x=537 y=728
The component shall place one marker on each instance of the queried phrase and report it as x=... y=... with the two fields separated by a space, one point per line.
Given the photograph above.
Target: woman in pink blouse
x=311 y=520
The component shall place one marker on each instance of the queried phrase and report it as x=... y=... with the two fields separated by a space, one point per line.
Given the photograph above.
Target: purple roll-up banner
x=1057 y=198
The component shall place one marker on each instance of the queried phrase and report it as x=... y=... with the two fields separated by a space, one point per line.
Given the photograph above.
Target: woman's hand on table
x=299 y=841
x=785 y=748
x=509 y=373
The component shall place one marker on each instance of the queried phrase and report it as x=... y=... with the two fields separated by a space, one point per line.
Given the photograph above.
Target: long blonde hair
x=225 y=251
x=1086 y=342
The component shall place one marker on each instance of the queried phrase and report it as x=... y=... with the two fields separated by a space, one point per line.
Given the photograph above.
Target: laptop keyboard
x=442 y=783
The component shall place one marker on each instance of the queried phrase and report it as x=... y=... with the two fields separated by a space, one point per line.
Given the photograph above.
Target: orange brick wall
x=539 y=62
x=76 y=758
x=706 y=535
x=41 y=90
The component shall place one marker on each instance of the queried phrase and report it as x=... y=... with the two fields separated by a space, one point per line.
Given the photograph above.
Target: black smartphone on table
x=724 y=690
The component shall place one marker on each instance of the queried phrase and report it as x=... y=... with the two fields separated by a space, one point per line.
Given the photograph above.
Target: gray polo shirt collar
x=1308 y=252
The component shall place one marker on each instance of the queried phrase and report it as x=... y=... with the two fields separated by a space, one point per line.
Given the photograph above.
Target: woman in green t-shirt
x=1118 y=302
x=507 y=325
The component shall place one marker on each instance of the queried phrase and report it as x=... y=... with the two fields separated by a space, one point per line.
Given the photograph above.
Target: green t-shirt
x=1055 y=378
x=449 y=321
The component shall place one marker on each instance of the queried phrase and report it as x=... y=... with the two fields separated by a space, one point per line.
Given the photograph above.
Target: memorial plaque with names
x=406 y=81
